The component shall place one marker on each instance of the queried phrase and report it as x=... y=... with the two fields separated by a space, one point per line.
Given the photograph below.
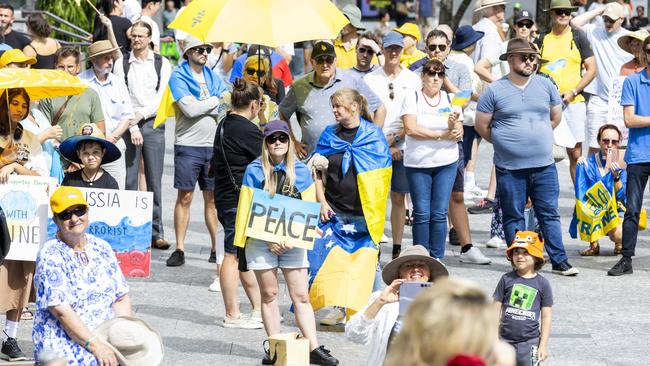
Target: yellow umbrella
x=266 y=22
x=41 y=84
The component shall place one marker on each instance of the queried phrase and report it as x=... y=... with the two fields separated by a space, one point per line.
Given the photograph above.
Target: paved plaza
x=597 y=320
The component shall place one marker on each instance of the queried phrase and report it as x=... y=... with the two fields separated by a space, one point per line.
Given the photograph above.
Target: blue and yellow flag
x=254 y=178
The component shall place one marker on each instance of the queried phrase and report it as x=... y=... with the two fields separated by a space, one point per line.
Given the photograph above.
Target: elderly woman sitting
x=379 y=320
x=78 y=284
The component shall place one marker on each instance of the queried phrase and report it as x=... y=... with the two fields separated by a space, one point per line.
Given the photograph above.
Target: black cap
x=522 y=15
x=323 y=49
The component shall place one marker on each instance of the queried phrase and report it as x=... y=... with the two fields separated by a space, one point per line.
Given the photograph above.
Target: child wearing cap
x=92 y=150
x=524 y=299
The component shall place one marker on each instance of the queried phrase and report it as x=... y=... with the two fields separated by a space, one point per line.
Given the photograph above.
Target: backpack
x=157 y=64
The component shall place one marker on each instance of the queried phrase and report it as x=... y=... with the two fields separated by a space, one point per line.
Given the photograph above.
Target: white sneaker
x=215 y=286
x=495 y=242
x=334 y=317
x=474 y=192
x=384 y=239
x=474 y=256
x=241 y=321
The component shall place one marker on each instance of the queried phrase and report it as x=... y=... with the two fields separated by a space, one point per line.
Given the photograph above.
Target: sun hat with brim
x=89 y=132
x=353 y=13
x=465 y=36
x=624 y=41
x=65 y=197
x=190 y=42
x=484 y=4
x=100 y=48
x=415 y=252
x=134 y=341
x=14 y=56
x=409 y=29
x=517 y=46
x=530 y=241
x=561 y=4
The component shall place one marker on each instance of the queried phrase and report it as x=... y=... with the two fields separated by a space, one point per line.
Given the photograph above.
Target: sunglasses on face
x=525 y=58
x=200 y=50
x=259 y=73
x=609 y=20
x=439 y=74
x=67 y=215
x=437 y=47
x=325 y=60
x=364 y=51
x=525 y=25
x=273 y=138
x=562 y=12
x=647 y=51
x=608 y=141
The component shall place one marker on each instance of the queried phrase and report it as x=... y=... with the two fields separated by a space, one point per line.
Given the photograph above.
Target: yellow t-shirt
x=406 y=60
x=347 y=58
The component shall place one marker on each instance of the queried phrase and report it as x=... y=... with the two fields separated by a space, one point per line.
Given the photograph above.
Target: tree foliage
x=77 y=12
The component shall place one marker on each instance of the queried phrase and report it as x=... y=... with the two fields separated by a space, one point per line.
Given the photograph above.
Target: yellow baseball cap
x=15 y=55
x=529 y=240
x=66 y=197
x=409 y=29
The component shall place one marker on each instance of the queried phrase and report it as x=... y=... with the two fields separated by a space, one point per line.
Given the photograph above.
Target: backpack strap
x=157 y=64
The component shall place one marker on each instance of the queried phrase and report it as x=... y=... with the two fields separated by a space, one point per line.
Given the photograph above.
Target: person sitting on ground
x=374 y=325
x=90 y=149
x=525 y=291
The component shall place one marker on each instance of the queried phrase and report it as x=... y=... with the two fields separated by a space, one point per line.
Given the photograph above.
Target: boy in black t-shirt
x=524 y=299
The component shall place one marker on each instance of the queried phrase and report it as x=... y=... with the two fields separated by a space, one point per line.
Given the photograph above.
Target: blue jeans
x=541 y=184
x=637 y=178
x=430 y=192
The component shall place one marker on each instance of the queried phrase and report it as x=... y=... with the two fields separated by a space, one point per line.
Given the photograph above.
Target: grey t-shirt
x=522 y=135
x=522 y=301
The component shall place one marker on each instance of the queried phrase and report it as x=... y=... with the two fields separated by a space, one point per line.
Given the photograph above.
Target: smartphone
x=408 y=291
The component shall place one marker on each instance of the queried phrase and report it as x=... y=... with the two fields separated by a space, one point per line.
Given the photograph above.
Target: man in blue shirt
x=518 y=113
x=635 y=100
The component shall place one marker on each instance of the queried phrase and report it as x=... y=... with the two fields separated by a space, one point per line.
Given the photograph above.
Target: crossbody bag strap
x=59 y=113
x=225 y=159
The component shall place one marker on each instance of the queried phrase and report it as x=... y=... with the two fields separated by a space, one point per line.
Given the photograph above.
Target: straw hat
x=624 y=41
x=134 y=341
x=484 y=4
x=415 y=252
x=100 y=48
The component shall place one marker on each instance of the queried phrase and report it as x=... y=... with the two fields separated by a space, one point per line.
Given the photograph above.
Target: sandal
x=593 y=250
x=618 y=248
x=27 y=314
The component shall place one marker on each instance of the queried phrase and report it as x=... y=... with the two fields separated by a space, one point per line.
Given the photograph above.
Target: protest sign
x=283 y=219
x=615 y=109
x=25 y=201
x=123 y=220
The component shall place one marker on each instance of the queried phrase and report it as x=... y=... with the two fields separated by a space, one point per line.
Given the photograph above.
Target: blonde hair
x=262 y=63
x=452 y=317
x=270 y=182
x=347 y=96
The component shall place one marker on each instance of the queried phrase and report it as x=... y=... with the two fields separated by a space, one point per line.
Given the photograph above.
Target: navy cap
x=392 y=38
x=523 y=15
x=276 y=126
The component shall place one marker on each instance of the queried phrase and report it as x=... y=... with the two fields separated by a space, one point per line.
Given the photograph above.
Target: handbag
x=287 y=349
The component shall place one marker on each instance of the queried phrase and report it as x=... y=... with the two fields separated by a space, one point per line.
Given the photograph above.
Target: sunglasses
x=525 y=58
x=391 y=91
x=363 y=51
x=200 y=50
x=273 y=138
x=608 y=141
x=260 y=73
x=562 y=12
x=437 y=47
x=647 y=51
x=67 y=215
x=440 y=74
x=528 y=25
x=325 y=60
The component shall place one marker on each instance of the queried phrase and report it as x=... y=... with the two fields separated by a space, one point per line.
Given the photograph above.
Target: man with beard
x=517 y=114
x=13 y=39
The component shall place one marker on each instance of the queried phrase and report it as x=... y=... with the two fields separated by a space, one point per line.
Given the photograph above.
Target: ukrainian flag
x=343 y=262
x=462 y=98
x=254 y=178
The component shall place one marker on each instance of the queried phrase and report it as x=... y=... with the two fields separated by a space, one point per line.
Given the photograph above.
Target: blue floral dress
x=90 y=289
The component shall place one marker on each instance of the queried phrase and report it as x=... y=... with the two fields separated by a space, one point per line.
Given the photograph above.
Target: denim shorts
x=227 y=220
x=399 y=183
x=191 y=165
x=259 y=256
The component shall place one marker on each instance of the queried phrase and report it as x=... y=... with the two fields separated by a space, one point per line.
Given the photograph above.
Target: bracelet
x=89 y=341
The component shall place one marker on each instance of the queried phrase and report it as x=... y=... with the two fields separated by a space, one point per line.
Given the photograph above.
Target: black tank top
x=44 y=61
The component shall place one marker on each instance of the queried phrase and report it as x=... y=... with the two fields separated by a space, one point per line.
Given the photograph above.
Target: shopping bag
x=287 y=349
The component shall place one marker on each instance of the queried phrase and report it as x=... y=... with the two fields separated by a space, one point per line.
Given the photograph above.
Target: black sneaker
x=213 y=257
x=11 y=350
x=453 y=237
x=565 y=269
x=176 y=259
x=321 y=356
x=623 y=267
x=484 y=206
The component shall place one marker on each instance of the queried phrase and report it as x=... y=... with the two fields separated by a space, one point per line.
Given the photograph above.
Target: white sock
x=469 y=179
x=11 y=328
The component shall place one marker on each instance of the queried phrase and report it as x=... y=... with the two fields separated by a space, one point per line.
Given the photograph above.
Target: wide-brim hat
x=100 y=48
x=484 y=4
x=134 y=341
x=465 y=36
x=561 y=4
x=89 y=132
x=624 y=41
x=190 y=42
x=415 y=252
x=14 y=56
x=353 y=13
x=518 y=45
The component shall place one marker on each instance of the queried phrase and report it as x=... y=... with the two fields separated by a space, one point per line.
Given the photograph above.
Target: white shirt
x=155 y=31
x=143 y=82
x=429 y=153
x=477 y=84
x=132 y=10
x=405 y=83
x=114 y=96
x=489 y=46
x=609 y=57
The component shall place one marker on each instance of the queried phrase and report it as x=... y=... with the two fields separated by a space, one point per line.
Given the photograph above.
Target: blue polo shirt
x=636 y=92
x=522 y=135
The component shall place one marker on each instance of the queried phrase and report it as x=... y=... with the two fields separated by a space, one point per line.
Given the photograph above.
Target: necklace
x=89 y=179
x=426 y=99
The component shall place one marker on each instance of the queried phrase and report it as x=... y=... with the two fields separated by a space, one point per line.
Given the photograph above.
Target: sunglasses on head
x=439 y=47
x=530 y=57
x=325 y=60
x=364 y=50
x=608 y=141
x=440 y=74
x=528 y=25
x=273 y=138
x=67 y=215
x=251 y=72
x=200 y=50
x=562 y=12
x=391 y=91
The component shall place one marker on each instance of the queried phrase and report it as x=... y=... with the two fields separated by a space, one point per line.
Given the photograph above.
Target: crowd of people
x=407 y=106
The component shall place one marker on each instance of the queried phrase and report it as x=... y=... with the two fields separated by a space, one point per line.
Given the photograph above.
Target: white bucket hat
x=133 y=340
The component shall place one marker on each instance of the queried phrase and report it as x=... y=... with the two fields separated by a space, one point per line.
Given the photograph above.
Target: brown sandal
x=618 y=248
x=594 y=249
